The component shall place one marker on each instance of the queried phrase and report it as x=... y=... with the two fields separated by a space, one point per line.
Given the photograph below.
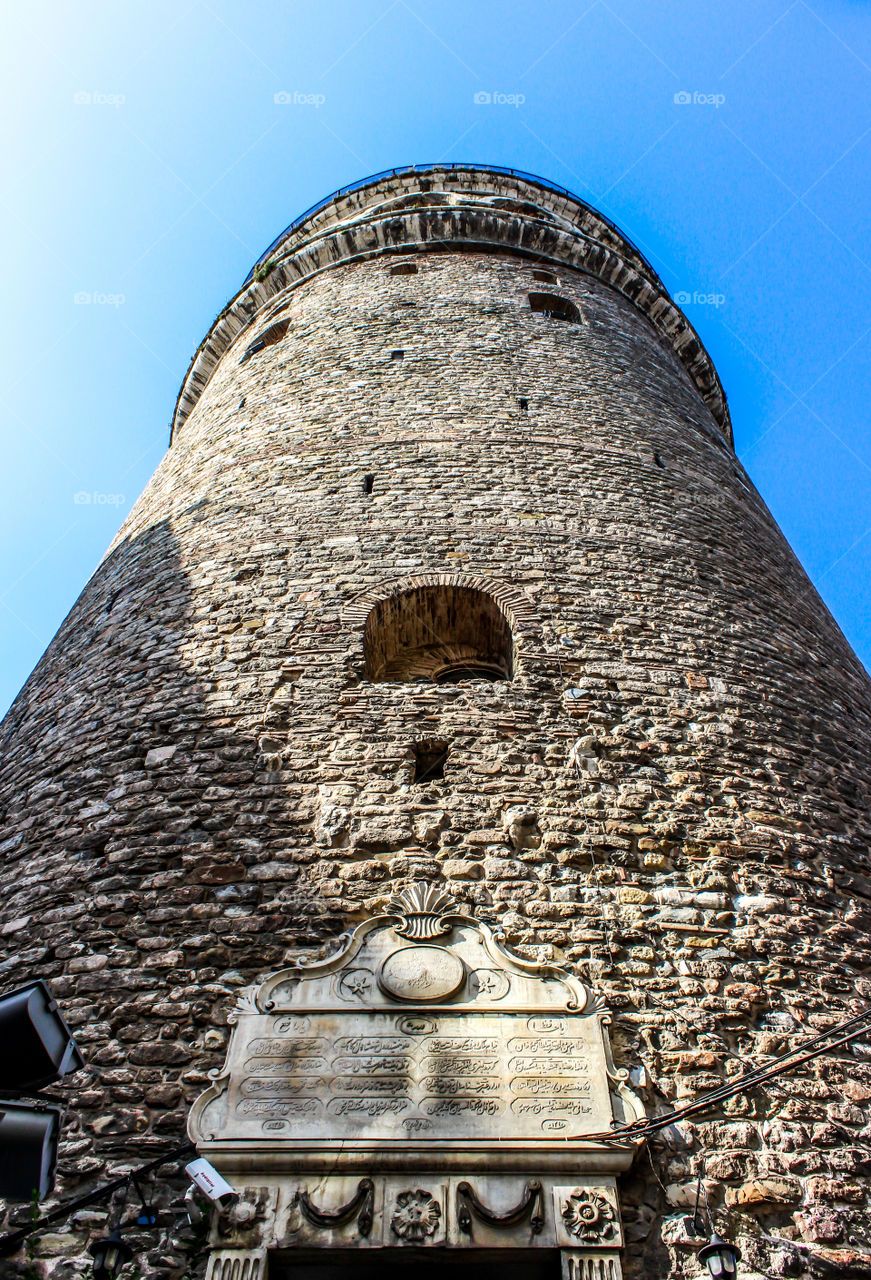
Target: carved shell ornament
x=589 y=1216
x=421 y=909
x=416 y=1216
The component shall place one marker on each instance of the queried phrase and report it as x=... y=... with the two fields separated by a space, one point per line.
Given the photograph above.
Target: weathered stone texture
x=197 y=781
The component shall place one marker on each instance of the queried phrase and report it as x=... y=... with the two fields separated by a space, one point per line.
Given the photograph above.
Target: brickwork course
x=386 y=461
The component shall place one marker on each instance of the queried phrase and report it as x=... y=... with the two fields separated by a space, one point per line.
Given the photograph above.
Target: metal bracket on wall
x=531 y=1205
x=359 y=1207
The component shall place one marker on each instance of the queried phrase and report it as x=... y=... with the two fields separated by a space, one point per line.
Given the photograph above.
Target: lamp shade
x=109 y=1254
x=720 y=1257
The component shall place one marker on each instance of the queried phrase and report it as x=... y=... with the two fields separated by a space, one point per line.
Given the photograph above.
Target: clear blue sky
x=147 y=165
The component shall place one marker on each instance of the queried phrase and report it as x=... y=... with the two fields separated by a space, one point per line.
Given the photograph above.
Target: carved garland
x=531 y=1205
x=359 y=1206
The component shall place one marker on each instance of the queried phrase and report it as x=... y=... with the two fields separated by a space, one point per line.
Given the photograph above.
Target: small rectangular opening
x=368 y=484
x=429 y=761
x=397 y=355
x=404 y=269
x=546 y=277
x=524 y=404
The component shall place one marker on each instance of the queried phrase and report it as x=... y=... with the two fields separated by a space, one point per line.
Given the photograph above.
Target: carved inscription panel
x=421 y=1029
x=439 y=1074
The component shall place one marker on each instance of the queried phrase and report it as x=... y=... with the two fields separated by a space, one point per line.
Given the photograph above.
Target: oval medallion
x=421 y=973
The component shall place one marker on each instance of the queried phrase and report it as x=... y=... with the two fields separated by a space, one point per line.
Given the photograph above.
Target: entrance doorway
x=405 y=1263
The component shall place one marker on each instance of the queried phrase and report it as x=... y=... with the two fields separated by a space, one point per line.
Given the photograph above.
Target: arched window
x=554 y=307
x=443 y=633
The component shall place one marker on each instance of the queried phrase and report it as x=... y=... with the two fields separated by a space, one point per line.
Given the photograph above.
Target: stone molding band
x=476 y=211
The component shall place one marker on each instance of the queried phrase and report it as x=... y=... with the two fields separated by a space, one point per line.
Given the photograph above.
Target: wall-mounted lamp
x=109 y=1255
x=720 y=1257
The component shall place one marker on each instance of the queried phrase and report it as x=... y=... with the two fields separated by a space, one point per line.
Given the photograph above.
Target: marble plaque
x=422 y=1033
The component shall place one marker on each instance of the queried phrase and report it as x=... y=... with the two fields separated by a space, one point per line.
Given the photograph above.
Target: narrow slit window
x=268 y=338
x=554 y=307
x=368 y=485
x=524 y=404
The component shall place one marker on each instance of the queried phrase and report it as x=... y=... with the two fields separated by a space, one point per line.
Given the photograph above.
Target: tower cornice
x=438 y=208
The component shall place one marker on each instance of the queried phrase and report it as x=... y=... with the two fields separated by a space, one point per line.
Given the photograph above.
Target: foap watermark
x=85 y=98
x=684 y=99
x=284 y=98
x=698 y=299
x=96 y=499
x=484 y=99
x=94 y=298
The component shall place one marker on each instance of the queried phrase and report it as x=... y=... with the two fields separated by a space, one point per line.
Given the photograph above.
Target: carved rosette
x=417 y=1215
x=242 y=1223
x=589 y=1216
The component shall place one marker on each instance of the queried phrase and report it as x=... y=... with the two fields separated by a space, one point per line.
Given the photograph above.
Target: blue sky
x=147 y=164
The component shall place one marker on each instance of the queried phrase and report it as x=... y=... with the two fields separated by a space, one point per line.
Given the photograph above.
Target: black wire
x=644 y=1127
x=11 y=1242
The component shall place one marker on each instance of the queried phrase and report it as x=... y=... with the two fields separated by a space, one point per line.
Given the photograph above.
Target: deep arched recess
x=443 y=633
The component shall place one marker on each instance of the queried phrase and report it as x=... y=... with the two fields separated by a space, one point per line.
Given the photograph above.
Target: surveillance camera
x=210 y=1182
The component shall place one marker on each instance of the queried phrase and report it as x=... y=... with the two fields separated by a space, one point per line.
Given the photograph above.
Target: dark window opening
x=368 y=484
x=442 y=633
x=554 y=307
x=546 y=277
x=404 y=269
x=397 y=355
x=267 y=338
x=429 y=761
x=524 y=405
x=659 y=462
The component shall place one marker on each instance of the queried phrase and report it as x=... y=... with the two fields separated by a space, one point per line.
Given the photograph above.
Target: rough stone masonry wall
x=197 y=782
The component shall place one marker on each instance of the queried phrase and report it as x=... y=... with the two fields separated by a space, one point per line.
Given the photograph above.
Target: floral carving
x=589 y=1216
x=416 y=1216
x=243 y=1220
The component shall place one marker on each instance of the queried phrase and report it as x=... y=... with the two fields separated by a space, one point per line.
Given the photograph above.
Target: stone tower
x=451 y=581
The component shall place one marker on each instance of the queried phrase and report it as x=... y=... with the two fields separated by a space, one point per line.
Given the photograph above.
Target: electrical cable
x=12 y=1241
x=823 y=1043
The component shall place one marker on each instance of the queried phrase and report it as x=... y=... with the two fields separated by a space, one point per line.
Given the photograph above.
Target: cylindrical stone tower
x=451 y=575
